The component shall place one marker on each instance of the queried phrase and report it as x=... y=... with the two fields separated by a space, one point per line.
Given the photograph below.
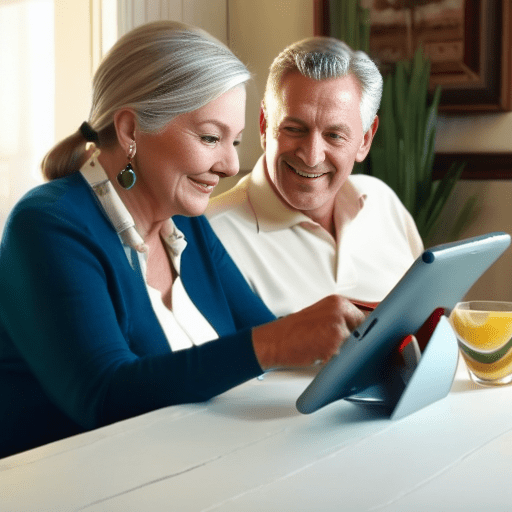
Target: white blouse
x=184 y=326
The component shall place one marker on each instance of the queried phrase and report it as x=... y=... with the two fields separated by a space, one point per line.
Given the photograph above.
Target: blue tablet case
x=364 y=372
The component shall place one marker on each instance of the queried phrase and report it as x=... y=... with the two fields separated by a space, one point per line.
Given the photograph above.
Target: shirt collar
x=272 y=214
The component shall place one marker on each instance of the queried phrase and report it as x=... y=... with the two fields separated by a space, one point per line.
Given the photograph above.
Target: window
x=26 y=96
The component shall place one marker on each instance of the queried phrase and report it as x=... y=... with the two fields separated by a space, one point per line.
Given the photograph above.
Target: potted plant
x=403 y=151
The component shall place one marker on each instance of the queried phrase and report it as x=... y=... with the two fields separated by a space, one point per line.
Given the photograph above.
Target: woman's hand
x=312 y=334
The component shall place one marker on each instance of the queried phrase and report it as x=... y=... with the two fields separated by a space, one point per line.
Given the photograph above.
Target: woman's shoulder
x=70 y=190
x=65 y=200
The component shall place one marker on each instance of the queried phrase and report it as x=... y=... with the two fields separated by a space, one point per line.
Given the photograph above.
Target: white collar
x=272 y=214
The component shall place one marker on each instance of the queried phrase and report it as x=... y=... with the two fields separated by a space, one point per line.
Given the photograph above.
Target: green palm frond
x=403 y=150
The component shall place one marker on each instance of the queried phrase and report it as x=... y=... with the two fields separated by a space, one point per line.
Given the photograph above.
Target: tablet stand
x=404 y=392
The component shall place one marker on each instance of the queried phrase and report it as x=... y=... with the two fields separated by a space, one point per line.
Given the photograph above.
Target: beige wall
x=73 y=65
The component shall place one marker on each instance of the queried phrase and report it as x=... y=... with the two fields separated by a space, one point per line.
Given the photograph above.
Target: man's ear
x=263 y=126
x=124 y=122
x=367 y=140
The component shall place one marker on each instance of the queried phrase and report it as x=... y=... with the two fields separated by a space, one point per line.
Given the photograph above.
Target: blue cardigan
x=80 y=345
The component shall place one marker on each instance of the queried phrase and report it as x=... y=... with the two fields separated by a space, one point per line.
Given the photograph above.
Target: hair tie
x=89 y=133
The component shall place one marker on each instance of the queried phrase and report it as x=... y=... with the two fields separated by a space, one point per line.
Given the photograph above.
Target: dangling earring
x=127 y=178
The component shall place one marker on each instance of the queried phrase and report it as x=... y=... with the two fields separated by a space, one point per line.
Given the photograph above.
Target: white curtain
x=26 y=95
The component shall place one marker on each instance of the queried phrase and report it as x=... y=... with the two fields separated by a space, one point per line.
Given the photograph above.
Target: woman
x=115 y=299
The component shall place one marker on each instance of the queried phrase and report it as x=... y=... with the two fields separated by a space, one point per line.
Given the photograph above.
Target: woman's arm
x=88 y=333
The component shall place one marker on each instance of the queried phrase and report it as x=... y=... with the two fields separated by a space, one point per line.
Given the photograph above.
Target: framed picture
x=467 y=42
x=479 y=166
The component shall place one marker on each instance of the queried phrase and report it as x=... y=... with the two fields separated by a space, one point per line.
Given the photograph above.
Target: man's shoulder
x=365 y=182
x=375 y=190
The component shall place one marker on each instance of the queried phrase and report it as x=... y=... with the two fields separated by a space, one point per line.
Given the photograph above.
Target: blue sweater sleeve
x=76 y=321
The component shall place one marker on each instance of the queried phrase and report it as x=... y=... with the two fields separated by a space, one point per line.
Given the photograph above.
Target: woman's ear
x=124 y=122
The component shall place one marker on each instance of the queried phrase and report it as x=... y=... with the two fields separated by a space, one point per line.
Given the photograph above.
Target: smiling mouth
x=208 y=187
x=303 y=173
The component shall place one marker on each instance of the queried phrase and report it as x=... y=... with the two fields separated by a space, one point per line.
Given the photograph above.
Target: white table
x=250 y=450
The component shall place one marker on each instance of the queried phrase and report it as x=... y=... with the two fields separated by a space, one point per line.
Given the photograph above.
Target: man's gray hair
x=322 y=58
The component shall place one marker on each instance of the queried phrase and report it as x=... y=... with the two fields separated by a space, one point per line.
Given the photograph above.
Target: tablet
x=439 y=278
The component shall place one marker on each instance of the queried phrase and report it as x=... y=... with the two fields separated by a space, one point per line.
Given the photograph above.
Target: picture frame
x=471 y=58
x=479 y=166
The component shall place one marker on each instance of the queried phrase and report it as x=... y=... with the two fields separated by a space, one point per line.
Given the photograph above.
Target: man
x=299 y=226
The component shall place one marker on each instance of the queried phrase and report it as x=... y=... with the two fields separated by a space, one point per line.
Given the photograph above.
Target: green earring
x=127 y=177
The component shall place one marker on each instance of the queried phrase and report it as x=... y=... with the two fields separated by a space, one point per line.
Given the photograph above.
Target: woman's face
x=178 y=167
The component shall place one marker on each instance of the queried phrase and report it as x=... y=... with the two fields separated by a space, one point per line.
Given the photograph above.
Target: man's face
x=312 y=136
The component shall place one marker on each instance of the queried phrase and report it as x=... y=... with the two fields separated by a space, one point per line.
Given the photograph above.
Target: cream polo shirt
x=292 y=262
x=184 y=326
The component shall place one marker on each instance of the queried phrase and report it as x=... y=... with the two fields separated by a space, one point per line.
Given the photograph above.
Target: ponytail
x=65 y=158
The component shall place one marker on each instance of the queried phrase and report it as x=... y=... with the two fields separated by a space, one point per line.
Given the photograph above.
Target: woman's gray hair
x=159 y=70
x=322 y=58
